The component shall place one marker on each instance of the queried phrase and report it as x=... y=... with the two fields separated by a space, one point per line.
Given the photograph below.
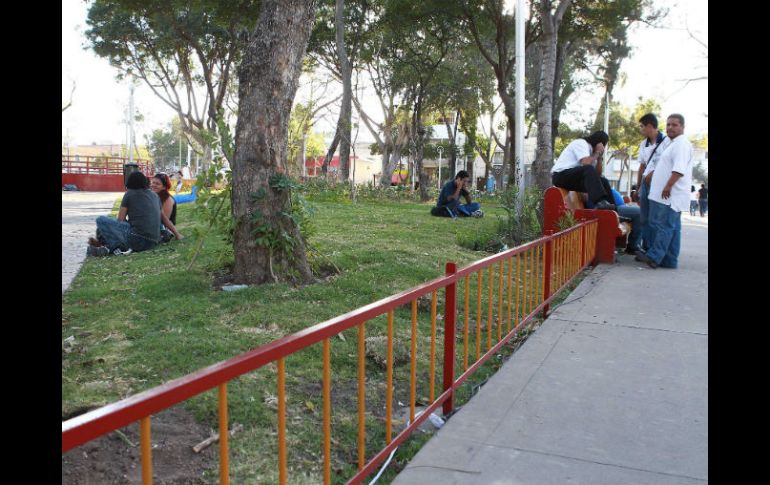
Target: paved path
x=78 y=215
x=612 y=389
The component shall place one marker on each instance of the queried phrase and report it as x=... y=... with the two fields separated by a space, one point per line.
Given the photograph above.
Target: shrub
x=521 y=223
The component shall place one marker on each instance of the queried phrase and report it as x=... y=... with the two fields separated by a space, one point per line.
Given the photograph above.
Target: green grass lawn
x=144 y=319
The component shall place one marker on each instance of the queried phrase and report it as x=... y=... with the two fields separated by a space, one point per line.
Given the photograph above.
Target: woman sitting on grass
x=160 y=184
x=138 y=224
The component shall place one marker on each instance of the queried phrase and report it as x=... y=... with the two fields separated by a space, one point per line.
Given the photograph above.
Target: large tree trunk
x=268 y=76
x=344 y=123
x=544 y=157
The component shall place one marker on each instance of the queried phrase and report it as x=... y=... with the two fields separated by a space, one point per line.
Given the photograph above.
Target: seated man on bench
x=449 y=200
x=579 y=168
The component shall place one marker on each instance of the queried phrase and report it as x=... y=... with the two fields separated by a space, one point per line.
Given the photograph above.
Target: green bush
x=521 y=223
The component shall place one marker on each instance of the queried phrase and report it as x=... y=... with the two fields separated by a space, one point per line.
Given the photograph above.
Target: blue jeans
x=644 y=216
x=465 y=209
x=666 y=228
x=117 y=234
x=635 y=213
x=693 y=207
x=112 y=232
x=704 y=206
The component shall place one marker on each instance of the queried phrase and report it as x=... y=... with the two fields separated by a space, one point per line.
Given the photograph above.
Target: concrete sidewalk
x=612 y=389
x=79 y=211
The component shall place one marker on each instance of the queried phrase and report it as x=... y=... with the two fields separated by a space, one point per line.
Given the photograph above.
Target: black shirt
x=704 y=193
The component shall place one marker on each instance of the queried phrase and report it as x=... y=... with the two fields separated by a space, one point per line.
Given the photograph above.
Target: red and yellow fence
x=101 y=165
x=520 y=283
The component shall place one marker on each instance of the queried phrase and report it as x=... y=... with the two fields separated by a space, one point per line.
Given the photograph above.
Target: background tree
x=267 y=241
x=334 y=45
x=167 y=145
x=180 y=49
x=492 y=30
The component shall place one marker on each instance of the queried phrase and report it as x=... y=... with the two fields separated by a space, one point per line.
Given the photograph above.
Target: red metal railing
x=103 y=165
x=543 y=267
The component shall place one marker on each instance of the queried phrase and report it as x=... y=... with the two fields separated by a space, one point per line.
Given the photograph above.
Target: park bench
x=612 y=233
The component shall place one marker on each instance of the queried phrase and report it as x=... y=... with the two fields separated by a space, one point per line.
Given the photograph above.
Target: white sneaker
x=477 y=213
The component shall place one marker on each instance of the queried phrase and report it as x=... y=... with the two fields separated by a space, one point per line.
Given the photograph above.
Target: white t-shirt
x=677 y=157
x=694 y=195
x=646 y=151
x=571 y=155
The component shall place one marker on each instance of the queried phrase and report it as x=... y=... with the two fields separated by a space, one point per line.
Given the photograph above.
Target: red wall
x=95 y=183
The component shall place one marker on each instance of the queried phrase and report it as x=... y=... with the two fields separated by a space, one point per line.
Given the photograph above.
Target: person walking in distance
x=703 y=200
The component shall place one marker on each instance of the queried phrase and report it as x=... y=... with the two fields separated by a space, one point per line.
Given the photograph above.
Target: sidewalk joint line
x=596 y=462
x=631 y=326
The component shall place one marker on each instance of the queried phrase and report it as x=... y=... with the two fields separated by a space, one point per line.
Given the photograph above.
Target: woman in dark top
x=160 y=184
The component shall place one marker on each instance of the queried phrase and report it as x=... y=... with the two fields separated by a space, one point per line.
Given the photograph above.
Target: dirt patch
x=111 y=459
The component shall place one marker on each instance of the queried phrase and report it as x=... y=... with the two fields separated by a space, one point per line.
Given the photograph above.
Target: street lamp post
x=440 y=152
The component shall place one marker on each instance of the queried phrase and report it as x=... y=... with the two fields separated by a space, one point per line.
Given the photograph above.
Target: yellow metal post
x=281 y=421
x=146 y=444
x=224 y=454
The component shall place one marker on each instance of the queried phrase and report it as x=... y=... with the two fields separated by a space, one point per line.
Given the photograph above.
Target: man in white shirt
x=669 y=195
x=579 y=168
x=650 y=150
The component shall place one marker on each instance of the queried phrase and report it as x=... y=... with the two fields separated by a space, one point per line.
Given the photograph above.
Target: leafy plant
x=566 y=221
x=521 y=223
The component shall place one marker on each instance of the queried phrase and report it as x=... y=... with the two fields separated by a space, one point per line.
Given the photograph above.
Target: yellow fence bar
x=281 y=421
x=144 y=431
x=524 y=287
x=510 y=278
x=518 y=280
x=532 y=278
x=432 y=384
x=500 y=303
x=540 y=273
x=413 y=368
x=389 y=390
x=327 y=381
x=224 y=455
x=489 y=308
x=361 y=395
x=478 y=315
x=466 y=308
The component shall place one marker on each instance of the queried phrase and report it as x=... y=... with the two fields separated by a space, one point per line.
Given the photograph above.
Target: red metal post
x=450 y=311
x=547 y=271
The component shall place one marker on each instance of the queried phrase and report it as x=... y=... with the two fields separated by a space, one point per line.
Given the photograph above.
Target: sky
x=661 y=62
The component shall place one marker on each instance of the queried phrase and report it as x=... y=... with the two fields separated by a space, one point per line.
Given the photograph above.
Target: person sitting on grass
x=448 y=204
x=160 y=184
x=137 y=227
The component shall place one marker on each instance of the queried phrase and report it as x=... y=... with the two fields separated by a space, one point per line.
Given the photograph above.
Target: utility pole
x=131 y=123
x=519 y=87
x=438 y=177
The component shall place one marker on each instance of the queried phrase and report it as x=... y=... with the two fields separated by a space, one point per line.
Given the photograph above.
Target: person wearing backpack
x=650 y=149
